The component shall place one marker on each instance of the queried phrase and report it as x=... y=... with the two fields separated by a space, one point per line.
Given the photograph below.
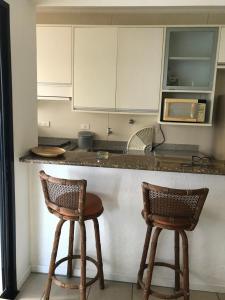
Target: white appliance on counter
x=141 y=140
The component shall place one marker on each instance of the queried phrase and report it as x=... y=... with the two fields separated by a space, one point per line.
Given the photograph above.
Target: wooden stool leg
x=99 y=254
x=53 y=259
x=185 y=265
x=177 y=260
x=83 y=260
x=144 y=255
x=70 y=250
x=154 y=242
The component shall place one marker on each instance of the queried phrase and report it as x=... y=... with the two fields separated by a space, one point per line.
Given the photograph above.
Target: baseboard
x=158 y=281
x=23 y=278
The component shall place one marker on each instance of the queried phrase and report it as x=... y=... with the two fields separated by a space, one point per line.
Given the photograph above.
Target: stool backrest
x=63 y=196
x=173 y=204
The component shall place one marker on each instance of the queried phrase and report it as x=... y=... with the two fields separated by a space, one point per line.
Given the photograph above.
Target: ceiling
x=132 y=3
x=141 y=6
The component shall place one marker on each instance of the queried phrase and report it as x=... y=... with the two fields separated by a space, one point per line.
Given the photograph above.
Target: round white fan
x=141 y=140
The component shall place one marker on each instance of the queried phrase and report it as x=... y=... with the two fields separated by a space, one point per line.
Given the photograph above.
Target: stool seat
x=93 y=207
x=175 y=223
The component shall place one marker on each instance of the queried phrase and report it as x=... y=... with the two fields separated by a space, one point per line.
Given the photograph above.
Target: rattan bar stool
x=68 y=200
x=171 y=209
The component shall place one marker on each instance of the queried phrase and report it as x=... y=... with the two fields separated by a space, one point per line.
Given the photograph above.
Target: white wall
x=23 y=51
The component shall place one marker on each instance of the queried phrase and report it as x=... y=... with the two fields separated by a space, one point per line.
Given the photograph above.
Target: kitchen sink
x=116 y=151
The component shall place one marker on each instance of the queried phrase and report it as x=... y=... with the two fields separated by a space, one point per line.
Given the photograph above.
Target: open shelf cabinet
x=189 y=68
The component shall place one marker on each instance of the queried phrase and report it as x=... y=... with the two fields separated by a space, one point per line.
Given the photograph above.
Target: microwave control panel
x=201 y=112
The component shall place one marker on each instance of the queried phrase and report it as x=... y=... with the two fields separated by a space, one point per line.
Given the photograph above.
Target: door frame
x=7 y=183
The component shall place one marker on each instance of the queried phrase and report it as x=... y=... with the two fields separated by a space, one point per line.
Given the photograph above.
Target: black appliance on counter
x=67 y=144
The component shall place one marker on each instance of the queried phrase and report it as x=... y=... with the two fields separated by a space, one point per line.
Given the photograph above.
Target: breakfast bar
x=137 y=161
x=117 y=181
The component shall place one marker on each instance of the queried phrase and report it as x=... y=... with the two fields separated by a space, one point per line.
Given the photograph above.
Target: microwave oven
x=184 y=110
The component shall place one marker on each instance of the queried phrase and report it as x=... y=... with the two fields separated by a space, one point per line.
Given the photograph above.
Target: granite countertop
x=149 y=162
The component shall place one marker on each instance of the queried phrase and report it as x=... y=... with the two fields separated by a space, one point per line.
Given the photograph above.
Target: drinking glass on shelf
x=102 y=155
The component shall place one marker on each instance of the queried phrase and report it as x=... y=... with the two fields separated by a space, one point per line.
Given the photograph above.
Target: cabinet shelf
x=53 y=98
x=220 y=66
x=186 y=124
x=187 y=91
x=190 y=58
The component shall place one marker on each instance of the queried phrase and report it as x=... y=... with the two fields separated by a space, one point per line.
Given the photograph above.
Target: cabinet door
x=139 y=68
x=54 y=54
x=221 y=58
x=95 y=68
x=190 y=58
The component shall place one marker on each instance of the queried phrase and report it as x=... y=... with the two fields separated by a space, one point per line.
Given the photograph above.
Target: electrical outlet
x=44 y=124
x=85 y=126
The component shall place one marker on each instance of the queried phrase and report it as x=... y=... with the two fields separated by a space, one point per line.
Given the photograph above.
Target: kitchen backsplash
x=66 y=123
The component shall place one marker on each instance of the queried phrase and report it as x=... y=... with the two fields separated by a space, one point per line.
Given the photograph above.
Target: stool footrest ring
x=72 y=285
x=175 y=295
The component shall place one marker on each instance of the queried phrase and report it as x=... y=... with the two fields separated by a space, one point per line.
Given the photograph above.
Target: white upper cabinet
x=95 y=52
x=139 y=66
x=54 y=54
x=221 y=56
x=54 y=62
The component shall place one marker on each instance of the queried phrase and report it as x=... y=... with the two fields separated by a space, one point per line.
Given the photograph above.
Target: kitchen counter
x=131 y=161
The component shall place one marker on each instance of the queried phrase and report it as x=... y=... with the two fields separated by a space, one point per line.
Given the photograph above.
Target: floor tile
x=197 y=295
x=33 y=288
x=58 y=293
x=138 y=294
x=112 y=291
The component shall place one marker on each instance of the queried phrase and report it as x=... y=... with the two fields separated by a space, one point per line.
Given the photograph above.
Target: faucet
x=109 y=131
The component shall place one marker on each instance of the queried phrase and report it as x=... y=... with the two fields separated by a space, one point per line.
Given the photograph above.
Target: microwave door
x=182 y=111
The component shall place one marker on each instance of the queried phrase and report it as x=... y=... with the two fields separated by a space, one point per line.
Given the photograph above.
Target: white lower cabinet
x=139 y=65
x=95 y=51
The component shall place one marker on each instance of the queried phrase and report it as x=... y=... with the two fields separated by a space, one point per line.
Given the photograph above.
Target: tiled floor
x=33 y=290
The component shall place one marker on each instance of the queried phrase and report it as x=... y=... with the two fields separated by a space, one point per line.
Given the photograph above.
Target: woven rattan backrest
x=173 y=203
x=63 y=196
